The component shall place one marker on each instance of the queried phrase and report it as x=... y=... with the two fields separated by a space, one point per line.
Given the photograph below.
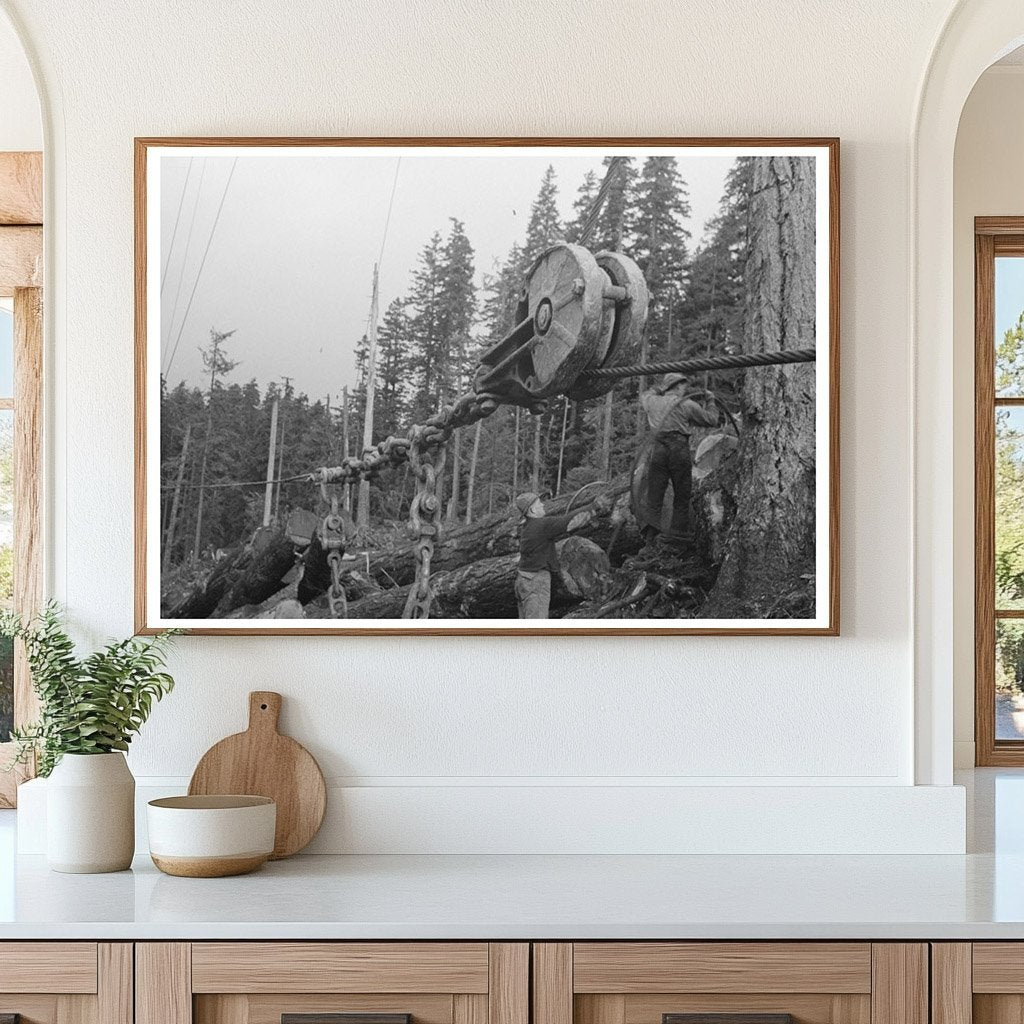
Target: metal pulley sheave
x=576 y=312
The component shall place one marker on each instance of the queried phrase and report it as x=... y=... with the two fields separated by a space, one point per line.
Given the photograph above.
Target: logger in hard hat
x=672 y=416
x=538 y=556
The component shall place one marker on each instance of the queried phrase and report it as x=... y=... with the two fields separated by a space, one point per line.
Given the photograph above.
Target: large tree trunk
x=485 y=589
x=498 y=535
x=252 y=573
x=248 y=574
x=770 y=547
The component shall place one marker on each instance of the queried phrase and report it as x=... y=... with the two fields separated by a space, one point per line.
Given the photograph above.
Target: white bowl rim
x=212 y=802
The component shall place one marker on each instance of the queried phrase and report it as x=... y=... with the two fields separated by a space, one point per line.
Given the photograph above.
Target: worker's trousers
x=671 y=464
x=533 y=593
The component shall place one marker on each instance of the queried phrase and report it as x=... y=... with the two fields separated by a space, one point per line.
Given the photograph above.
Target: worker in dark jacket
x=538 y=558
x=672 y=417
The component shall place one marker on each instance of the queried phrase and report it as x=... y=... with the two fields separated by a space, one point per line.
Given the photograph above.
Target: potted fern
x=90 y=708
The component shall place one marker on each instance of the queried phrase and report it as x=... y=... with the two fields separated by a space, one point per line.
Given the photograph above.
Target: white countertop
x=977 y=896
x=496 y=897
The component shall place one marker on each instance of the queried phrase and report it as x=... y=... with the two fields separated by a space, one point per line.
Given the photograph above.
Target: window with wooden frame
x=999 y=490
x=21 y=364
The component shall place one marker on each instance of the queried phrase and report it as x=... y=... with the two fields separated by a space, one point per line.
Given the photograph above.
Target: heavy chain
x=425 y=449
x=425 y=514
x=394 y=451
x=332 y=539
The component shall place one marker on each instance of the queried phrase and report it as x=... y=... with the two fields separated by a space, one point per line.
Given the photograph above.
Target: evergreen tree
x=426 y=342
x=585 y=196
x=391 y=398
x=614 y=220
x=501 y=296
x=713 y=307
x=659 y=245
x=457 y=310
x=545 y=227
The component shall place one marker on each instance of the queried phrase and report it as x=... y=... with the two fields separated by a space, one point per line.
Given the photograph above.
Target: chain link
x=425 y=515
x=425 y=449
x=332 y=539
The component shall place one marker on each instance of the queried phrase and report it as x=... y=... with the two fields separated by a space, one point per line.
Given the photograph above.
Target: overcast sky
x=289 y=266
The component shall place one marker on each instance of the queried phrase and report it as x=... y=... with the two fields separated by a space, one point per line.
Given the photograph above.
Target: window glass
x=1009 y=679
x=6 y=353
x=6 y=568
x=1009 y=512
x=1009 y=327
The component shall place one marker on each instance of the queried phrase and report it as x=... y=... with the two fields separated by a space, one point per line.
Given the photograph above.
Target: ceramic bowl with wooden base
x=211 y=836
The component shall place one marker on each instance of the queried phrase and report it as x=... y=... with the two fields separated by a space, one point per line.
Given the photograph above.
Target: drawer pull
x=727 y=1018
x=339 y=1018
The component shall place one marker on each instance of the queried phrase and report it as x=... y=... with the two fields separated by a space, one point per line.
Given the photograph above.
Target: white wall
x=987 y=181
x=20 y=125
x=443 y=714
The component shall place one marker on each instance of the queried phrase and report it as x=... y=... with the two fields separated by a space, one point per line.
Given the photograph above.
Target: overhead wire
x=202 y=264
x=184 y=255
x=177 y=218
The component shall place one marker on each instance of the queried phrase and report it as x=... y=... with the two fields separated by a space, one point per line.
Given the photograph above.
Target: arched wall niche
x=975 y=35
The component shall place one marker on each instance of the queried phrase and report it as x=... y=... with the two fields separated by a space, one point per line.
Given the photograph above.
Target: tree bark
x=498 y=535
x=248 y=574
x=485 y=589
x=770 y=548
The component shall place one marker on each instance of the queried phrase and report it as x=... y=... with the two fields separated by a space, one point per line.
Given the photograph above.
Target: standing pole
x=363 y=522
x=606 y=437
x=535 y=478
x=344 y=443
x=472 y=472
x=515 y=457
x=268 y=496
x=280 y=449
x=561 y=446
x=176 y=503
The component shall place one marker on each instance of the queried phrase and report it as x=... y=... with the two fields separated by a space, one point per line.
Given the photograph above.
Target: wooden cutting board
x=262 y=762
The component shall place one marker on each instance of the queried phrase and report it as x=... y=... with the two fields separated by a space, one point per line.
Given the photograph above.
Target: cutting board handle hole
x=263 y=707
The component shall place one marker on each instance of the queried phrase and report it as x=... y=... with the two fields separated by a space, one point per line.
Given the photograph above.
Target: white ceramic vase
x=90 y=814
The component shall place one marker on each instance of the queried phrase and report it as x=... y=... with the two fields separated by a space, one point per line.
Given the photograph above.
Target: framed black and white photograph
x=566 y=386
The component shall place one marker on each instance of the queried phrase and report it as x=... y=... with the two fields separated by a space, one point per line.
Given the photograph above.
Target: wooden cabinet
x=66 y=982
x=979 y=982
x=263 y=982
x=494 y=983
x=752 y=982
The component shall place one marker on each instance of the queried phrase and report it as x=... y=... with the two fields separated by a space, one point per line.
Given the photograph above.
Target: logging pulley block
x=576 y=312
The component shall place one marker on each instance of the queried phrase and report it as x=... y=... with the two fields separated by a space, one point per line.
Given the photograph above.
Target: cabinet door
x=332 y=983
x=730 y=983
x=979 y=982
x=66 y=983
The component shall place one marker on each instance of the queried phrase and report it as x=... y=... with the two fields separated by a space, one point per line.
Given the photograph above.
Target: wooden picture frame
x=149 y=527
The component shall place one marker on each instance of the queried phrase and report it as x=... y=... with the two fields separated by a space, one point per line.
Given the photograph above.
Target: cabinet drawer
x=66 y=982
x=66 y=967
x=730 y=983
x=340 y=967
x=635 y=967
x=332 y=983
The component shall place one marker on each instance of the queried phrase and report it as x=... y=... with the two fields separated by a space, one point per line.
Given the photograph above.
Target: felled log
x=498 y=534
x=485 y=589
x=246 y=575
